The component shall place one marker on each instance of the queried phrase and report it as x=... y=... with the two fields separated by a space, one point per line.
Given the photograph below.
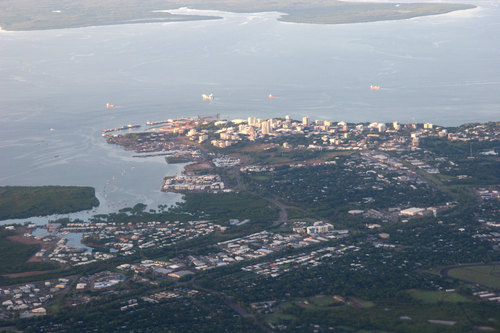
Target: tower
x=306 y=121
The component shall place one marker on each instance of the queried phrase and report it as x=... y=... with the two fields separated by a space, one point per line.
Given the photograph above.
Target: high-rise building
x=381 y=127
x=252 y=133
x=396 y=125
x=306 y=121
x=265 y=127
x=251 y=121
x=272 y=123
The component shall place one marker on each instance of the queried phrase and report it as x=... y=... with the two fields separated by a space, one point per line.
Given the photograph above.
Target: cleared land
x=487 y=275
x=28 y=201
x=56 y=14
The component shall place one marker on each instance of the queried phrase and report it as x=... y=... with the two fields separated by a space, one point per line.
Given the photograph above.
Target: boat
x=372 y=87
x=270 y=96
x=109 y=106
x=206 y=97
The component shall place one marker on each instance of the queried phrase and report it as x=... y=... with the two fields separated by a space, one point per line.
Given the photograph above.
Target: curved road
x=283 y=218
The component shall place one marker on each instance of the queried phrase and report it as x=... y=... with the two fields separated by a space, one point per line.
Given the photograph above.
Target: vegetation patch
x=487 y=275
x=28 y=201
x=280 y=317
x=224 y=206
x=14 y=256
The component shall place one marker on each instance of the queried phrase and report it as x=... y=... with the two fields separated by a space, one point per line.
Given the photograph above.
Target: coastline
x=354 y=17
x=115 y=23
x=337 y=12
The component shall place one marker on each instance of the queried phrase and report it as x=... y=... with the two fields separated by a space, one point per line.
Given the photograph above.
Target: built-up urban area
x=335 y=193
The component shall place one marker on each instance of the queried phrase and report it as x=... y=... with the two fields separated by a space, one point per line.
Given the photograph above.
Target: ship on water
x=206 y=97
x=372 y=87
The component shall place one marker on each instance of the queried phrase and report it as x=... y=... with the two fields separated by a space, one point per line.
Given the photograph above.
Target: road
x=283 y=218
x=230 y=303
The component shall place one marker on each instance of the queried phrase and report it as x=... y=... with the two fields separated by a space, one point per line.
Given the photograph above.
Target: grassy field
x=432 y=297
x=57 y=14
x=280 y=156
x=487 y=275
x=28 y=201
x=323 y=301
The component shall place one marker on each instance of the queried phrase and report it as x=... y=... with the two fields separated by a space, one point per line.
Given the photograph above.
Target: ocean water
x=442 y=69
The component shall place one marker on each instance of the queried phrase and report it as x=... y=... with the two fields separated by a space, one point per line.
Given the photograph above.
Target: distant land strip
x=19 y=15
x=28 y=201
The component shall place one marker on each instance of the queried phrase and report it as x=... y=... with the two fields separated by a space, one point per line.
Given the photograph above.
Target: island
x=52 y=14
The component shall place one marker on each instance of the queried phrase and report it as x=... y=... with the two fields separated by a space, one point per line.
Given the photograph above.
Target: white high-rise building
x=306 y=121
x=265 y=127
x=381 y=127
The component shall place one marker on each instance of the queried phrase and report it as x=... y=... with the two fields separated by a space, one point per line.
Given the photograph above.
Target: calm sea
x=442 y=69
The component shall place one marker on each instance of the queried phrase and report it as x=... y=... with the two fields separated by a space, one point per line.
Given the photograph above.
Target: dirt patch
x=198 y=166
x=244 y=159
x=258 y=147
x=24 y=240
x=355 y=303
x=35 y=259
x=359 y=304
x=308 y=162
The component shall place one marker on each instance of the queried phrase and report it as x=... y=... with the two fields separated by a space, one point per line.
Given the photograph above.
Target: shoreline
x=353 y=12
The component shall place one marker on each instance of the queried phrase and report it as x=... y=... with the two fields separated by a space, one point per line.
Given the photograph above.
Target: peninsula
x=28 y=201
